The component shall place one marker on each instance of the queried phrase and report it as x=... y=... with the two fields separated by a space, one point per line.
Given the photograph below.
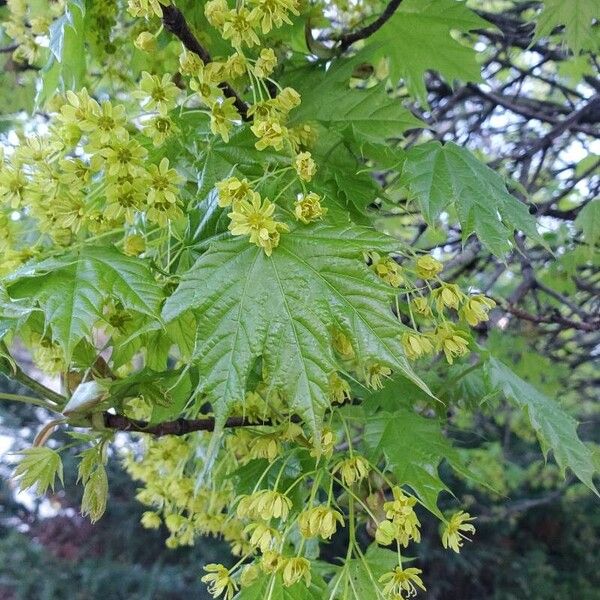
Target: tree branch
x=179 y=426
x=349 y=38
x=175 y=22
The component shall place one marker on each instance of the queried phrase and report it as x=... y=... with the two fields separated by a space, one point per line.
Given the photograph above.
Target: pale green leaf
x=39 y=467
x=282 y=308
x=71 y=290
x=419 y=38
x=556 y=430
x=271 y=587
x=588 y=220
x=414 y=447
x=95 y=494
x=440 y=176
x=577 y=16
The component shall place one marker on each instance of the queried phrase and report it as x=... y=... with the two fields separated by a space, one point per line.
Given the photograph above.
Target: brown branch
x=175 y=22
x=348 y=39
x=555 y=319
x=179 y=426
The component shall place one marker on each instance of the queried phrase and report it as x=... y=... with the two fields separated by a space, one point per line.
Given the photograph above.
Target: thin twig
x=175 y=22
x=348 y=39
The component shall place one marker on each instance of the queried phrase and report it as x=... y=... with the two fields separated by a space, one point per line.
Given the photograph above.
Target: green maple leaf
x=577 y=17
x=413 y=447
x=418 y=38
x=39 y=467
x=439 y=176
x=72 y=288
x=588 y=220
x=282 y=308
x=368 y=114
x=556 y=430
x=271 y=586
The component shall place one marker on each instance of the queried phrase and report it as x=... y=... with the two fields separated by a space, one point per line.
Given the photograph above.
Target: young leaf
x=556 y=430
x=419 y=38
x=577 y=16
x=413 y=447
x=441 y=175
x=39 y=467
x=588 y=220
x=71 y=290
x=283 y=308
x=95 y=494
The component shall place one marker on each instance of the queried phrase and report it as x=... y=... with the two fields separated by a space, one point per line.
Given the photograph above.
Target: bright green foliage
x=71 y=290
x=588 y=220
x=419 y=37
x=413 y=447
x=443 y=176
x=267 y=587
x=283 y=308
x=39 y=468
x=556 y=430
x=576 y=16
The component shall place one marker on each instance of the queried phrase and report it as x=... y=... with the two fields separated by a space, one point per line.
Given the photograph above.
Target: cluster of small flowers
x=28 y=24
x=252 y=215
x=91 y=173
x=446 y=337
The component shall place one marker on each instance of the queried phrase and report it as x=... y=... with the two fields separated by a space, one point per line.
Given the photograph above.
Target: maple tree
x=208 y=235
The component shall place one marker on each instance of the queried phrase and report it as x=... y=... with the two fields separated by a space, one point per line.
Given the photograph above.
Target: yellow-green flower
x=151 y=520
x=219 y=581
x=239 y=26
x=265 y=446
x=190 y=63
x=451 y=341
x=262 y=536
x=447 y=295
x=342 y=344
x=264 y=504
x=163 y=183
x=235 y=66
x=157 y=93
x=352 y=470
x=287 y=99
x=428 y=267
x=105 y=125
x=402 y=581
x=475 y=309
x=375 y=373
x=270 y=133
x=216 y=12
x=78 y=108
x=271 y=561
x=305 y=166
x=265 y=63
x=327 y=444
x=295 y=569
x=123 y=201
x=124 y=157
x=308 y=208
x=232 y=190
x=387 y=269
x=452 y=534
x=400 y=512
x=273 y=13
x=134 y=245
x=13 y=184
x=146 y=8
x=416 y=345
x=75 y=172
x=319 y=521
x=159 y=129
x=254 y=218
x=145 y=42
x=421 y=306
x=339 y=389
x=223 y=116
